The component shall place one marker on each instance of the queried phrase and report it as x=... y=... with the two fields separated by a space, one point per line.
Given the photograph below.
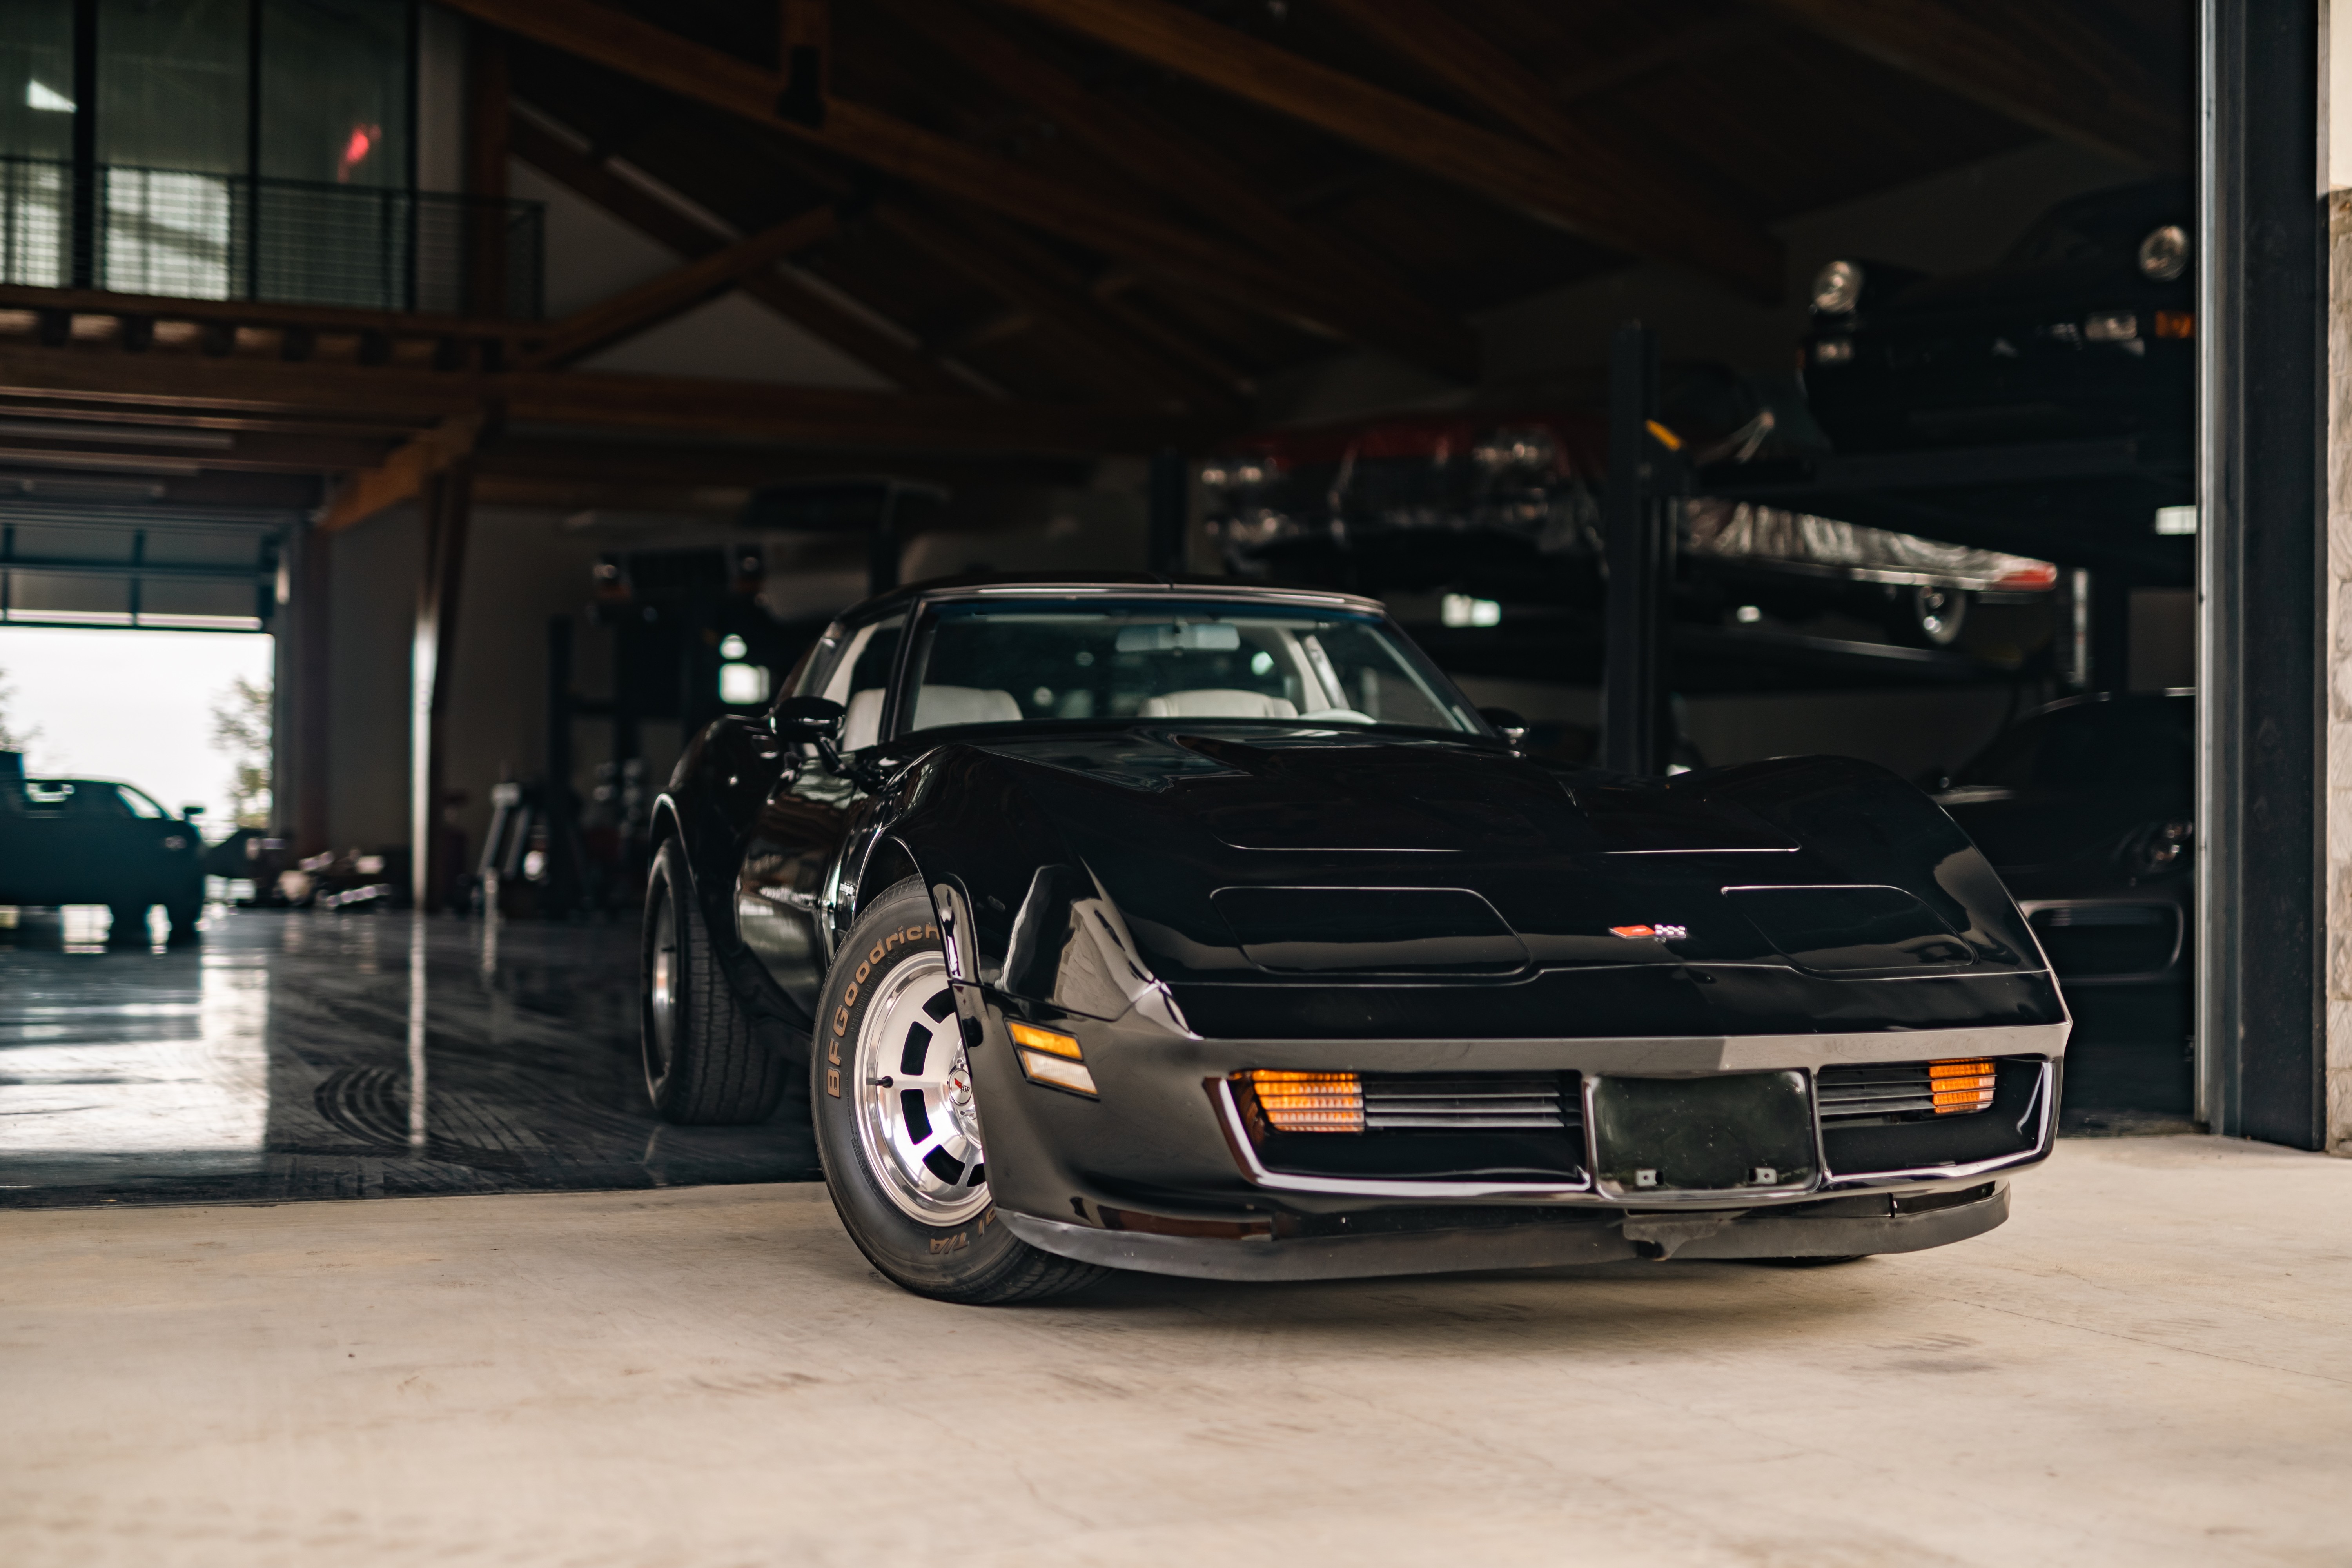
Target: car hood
x=1253 y=854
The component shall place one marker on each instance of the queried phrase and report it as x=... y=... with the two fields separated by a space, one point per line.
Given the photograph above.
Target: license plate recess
x=1731 y=1132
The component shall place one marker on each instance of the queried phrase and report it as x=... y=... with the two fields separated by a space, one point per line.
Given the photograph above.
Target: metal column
x=1637 y=720
x=446 y=508
x=1169 y=509
x=2262 y=572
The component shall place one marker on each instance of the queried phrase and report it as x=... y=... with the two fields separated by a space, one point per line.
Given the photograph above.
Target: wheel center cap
x=957 y=1091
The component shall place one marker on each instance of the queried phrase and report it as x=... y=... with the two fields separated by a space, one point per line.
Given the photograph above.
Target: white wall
x=592 y=255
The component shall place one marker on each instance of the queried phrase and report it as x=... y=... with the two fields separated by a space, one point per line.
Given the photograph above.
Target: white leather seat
x=862 y=725
x=937 y=706
x=1213 y=702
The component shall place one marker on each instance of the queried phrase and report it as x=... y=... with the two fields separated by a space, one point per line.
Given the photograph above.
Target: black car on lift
x=2084 y=331
x=1206 y=929
x=96 y=841
x=2086 y=807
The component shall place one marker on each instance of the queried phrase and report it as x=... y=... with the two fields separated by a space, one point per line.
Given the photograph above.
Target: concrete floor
x=2151 y=1363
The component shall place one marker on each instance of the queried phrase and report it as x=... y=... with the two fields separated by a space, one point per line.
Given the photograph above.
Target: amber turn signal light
x=1051 y=1058
x=1310 y=1102
x=1029 y=1036
x=1960 y=1087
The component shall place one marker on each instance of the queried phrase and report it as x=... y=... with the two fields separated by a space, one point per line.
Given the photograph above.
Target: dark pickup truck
x=94 y=841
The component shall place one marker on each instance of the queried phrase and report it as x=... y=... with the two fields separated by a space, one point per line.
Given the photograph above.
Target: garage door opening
x=181 y=717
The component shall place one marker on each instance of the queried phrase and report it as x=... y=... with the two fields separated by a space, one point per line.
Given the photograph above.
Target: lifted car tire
x=1931 y=616
x=704 y=1065
x=895 y=1123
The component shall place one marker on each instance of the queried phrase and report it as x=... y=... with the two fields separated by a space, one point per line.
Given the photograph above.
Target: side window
x=860 y=680
x=139 y=804
x=809 y=676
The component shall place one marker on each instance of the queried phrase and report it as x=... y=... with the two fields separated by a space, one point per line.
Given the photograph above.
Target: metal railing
x=236 y=237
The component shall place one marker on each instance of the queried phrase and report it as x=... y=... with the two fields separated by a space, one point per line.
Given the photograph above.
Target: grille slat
x=1488 y=1102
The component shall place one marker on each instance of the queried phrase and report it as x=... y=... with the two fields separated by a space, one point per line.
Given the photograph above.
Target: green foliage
x=11 y=738
x=241 y=729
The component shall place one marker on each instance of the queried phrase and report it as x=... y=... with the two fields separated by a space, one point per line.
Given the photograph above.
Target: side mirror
x=192 y=812
x=1506 y=723
x=807 y=720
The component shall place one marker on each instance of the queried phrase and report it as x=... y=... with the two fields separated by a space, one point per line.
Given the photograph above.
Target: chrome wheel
x=917 y=1124
x=662 y=979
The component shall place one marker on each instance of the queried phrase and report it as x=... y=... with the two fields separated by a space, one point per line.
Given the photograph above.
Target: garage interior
x=542 y=376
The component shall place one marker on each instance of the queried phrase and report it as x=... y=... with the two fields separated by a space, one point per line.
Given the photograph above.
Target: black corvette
x=1207 y=929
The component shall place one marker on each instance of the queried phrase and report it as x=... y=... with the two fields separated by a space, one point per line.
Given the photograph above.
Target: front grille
x=2089 y=940
x=1903 y=1090
x=1396 y=1126
x=1470 y=1102
x=1860 y=1093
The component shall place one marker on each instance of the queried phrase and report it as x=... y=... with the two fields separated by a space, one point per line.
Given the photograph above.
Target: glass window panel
x=171 y=84
x=171 y=124
x=37 y=79
x=36 y=121
x=334 y=111
x=334 y=91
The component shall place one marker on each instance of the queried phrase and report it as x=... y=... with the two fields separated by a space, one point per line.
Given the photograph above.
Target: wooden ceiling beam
x=1380 y=309
x=2031 y=63
x=671 y=295
x=1036 y=283
x=244 y=452
x=1612 y=198
x=926 y=159
x=764 y=411
x=592 y=178
x=1431 y=36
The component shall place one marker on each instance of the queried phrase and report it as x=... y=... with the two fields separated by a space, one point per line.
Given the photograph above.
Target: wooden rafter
x=923 y=158
x=1026 y=277
x=401 y=475
x=1380 y=309
x=666 y=224
x=671 y=295
x=2032 y=63
x=1616 y=199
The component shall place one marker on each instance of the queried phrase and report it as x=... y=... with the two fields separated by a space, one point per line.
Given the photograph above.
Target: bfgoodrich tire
x=901 y=1141
x=703 y=1064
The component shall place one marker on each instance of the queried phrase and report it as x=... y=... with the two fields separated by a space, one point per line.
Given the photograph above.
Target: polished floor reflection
x=310 y=1056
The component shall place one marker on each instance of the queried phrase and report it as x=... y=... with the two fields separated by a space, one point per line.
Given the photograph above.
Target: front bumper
x=1162 y=1155
x=1837 y=1227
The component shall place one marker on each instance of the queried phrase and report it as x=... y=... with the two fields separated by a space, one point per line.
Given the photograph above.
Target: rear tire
x=129 y=926
x=184 y=918
x=895 y=1128
x=704 y=1065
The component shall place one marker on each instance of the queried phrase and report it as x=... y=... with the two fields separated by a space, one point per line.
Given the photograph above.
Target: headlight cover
x=2164 y=254
x=1837 y=288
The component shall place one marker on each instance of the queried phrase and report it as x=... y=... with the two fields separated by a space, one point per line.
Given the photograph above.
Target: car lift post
x=1170 y=506
x=1637 y=723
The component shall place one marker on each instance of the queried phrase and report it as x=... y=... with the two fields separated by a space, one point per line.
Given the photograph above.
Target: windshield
x=1029 y=661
